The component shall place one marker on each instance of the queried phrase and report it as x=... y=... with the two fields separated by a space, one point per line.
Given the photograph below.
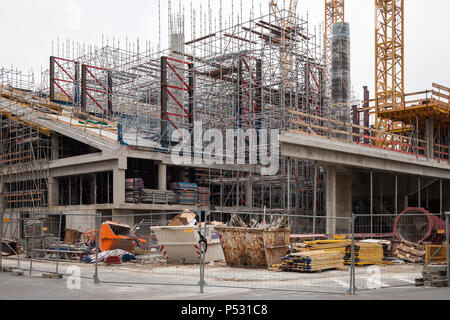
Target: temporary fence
x=38 y=242
x=315 y=254
x=396 y=250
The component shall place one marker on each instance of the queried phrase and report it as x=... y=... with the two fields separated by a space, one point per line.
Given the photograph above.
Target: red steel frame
x=54 y=81
x=188 y=114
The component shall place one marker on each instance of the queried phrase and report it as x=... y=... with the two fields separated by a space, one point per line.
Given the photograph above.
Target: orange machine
x=115 y=236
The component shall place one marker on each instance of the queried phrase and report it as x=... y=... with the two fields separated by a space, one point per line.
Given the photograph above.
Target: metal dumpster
x=180 y=244
x=247 y=247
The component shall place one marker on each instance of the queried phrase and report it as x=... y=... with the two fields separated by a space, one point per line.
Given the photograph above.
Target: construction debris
x=118 y=254
x=237 y=222
x=187 y=218
x=411 y=252
x=11 y=247
x=72 y=236
x=254 y=247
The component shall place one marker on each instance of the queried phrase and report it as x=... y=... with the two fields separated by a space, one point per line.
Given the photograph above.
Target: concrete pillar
x=55 y=146
x=118 y=186
x=124 y=217
x=339 y=201
x=249 y=195
x=162 y=177
x=53 y=192
x=94 y=189
x=429 y=132
x=2 y=198
x=405 y=202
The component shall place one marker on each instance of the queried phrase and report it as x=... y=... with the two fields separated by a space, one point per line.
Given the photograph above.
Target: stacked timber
x=133 y=190
x=186 y=193
x=365 y=254
x=204 y=196
x=410 y=252
x=322 y=245
x=310 y=261
x=157 y=196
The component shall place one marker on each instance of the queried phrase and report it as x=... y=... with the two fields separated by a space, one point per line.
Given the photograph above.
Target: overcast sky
x=29 y=27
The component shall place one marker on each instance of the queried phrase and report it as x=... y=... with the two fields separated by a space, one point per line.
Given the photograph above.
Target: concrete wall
x=81 y=221
x=124 y=217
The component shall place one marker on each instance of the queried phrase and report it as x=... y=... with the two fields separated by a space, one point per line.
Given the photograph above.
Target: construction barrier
x=144 y=249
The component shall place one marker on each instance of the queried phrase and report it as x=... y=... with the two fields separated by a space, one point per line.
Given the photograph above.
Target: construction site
x=88 y=175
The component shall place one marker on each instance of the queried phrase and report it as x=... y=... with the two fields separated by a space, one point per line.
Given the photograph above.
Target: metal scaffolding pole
x=371 y=201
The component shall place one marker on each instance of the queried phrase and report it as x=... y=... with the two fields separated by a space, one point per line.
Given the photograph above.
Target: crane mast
x=389 y=58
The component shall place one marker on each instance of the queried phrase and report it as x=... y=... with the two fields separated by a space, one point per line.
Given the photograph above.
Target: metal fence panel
x=394 y=252
x=364 y=252
x=164 y=255
x=46 y=245
x=292 y=271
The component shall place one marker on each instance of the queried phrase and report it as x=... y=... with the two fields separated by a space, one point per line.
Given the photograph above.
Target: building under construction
x=104 y=119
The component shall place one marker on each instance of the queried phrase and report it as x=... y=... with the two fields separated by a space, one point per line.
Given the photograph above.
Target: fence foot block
x=52 y=276
x=18 y=273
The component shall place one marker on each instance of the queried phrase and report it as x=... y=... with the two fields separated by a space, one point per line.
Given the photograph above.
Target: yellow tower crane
x=389 y=59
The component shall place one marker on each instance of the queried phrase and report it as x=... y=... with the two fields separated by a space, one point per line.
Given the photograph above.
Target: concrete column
x=118 y=186
x=162 y=177
x=53 y=192
x=2 y=198
x=405 y=202
x=249 y=195
x=94 y=189
x=339 y=201
x=55 y=146
x=124 y=217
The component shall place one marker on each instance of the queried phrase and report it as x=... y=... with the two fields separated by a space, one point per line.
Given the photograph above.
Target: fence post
x=352 y=289
x=32 y=242
x=59 y=243
x=1 y=239
x=97 y=239
x=447 y=214
x=202 y=289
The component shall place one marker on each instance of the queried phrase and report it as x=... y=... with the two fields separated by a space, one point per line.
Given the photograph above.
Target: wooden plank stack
x=411 y=252
x=322 y=245
x=365 y=254
x=157 y=196
x=310 y=261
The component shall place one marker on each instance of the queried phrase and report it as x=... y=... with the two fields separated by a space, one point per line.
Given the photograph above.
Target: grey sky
x=29 y=27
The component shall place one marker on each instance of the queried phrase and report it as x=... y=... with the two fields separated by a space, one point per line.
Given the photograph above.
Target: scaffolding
x=251 y=75
x=24 y=144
